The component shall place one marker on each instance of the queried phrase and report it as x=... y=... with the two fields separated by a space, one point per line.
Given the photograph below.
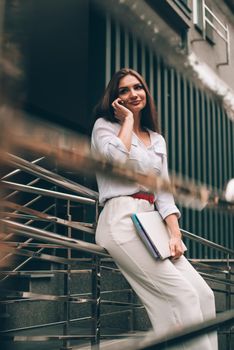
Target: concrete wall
x=212 y=54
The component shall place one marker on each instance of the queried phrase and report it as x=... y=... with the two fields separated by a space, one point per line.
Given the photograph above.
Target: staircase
x=58 y=289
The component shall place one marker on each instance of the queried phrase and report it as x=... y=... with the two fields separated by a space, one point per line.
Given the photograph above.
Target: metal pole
x=228 y=301
x=67 y=289
x=96 y=279
x=96 y=274
x=131 y=311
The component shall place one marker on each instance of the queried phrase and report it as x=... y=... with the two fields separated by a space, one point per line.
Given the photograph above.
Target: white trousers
x=173 y=292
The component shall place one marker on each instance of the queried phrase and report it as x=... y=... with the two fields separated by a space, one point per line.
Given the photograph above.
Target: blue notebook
x=152 y=249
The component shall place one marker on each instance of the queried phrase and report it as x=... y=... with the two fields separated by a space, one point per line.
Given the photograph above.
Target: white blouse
x=143 y=159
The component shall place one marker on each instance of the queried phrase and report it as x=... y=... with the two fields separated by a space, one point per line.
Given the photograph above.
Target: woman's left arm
x=164 y=200
x=175 y=241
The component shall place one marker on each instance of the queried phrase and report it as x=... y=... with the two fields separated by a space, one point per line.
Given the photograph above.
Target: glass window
x=199 y=11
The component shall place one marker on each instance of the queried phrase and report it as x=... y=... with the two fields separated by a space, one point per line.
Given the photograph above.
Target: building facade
x=183 y=48
x=194 y=120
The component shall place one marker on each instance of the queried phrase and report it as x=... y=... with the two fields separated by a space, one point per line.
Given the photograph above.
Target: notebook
x=154 y=233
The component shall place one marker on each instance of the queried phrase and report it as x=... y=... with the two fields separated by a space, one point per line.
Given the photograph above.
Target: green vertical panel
x=165 y=103
x=122 y=47
x=216 y=161
x=173 y=139
x=143 y=59
x=126 y=49
x=220 y=171
x=198 y=160
x=224 y=138
x=220 y=155
x=232 y=147
x=191 y=131
x=216 y=225
x=203 y=160
x=151 y=73
x=230 y=172
x=185 y=143
x=135 y=54
x=108 y=49
x=178 y=122
x=229 y=152
x=203 y=140
x=117 y=46
x=185 y=156
x=159 y=91
x=208 y=153
x=186 y=148
x=198 y=136
x=211 y=172
x=170 y=149
x=208 y=142
x=192 y=160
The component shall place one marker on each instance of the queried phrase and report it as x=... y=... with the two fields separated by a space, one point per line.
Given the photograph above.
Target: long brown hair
x=149 y=118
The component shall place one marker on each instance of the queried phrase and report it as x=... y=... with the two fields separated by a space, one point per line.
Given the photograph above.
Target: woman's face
x=132 y=93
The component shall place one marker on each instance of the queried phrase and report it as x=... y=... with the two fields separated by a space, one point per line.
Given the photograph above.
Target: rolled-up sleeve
x=164 y=200
x=105 y=142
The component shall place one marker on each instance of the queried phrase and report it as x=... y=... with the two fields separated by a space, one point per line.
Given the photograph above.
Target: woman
x=126 y=130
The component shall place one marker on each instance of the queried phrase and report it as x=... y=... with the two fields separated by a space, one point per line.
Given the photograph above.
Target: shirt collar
x=155 y=138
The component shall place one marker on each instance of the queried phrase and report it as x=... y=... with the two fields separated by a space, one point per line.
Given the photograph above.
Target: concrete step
x=57 y=344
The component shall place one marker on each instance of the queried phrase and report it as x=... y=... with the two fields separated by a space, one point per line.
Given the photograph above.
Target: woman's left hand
x=175 y=242
x=176 y=247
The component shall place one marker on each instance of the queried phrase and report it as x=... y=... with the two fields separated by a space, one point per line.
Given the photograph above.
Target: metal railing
x=175 y=338
x=55 y=241
x=91 y=248
x=99 y=258
x=208 y=17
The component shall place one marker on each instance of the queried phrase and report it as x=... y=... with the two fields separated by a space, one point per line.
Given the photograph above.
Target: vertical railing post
x=67 y=289
x=96 y=301
x=228 y=300
x=96 y=274
x=130 y=315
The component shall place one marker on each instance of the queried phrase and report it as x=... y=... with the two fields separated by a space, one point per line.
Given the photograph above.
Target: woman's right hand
x=121 y=112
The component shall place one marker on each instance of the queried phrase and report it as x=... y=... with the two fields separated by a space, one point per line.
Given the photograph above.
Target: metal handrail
x=176 y=337
x=49 y=193
x=207 y=242
x=55 y=238
x=17 y=171
x=49 y=176
x=37 y=215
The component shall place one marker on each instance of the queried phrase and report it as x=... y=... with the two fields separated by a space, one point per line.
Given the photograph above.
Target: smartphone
x=123 y=102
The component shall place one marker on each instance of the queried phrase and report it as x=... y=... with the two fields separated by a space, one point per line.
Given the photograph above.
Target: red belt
x=144 y=195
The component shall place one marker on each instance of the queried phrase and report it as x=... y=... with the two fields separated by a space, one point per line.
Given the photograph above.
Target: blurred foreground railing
x=226 y=319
